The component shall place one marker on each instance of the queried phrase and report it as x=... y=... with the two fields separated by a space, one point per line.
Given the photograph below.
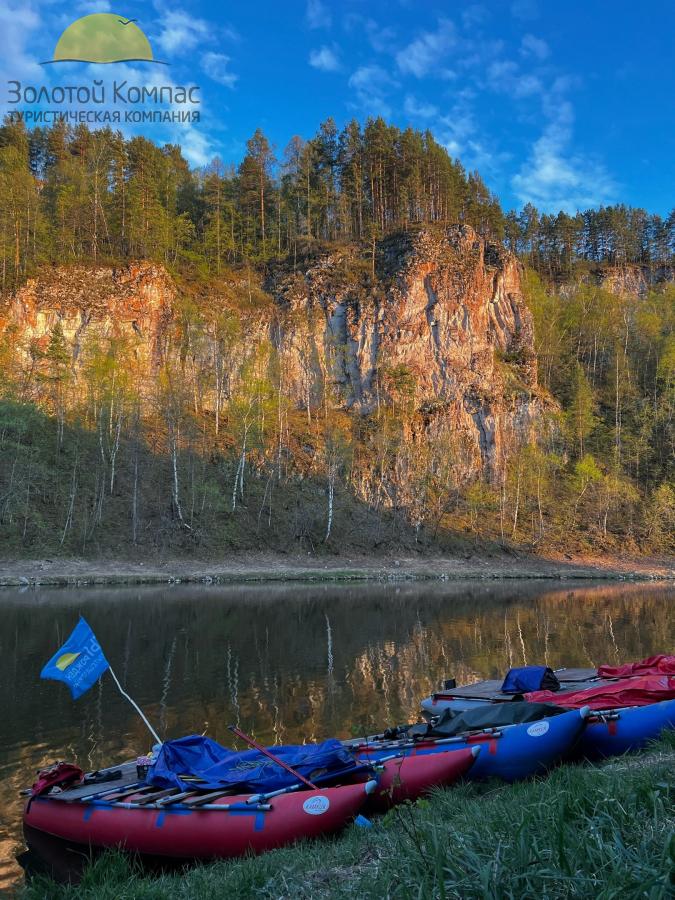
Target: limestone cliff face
x=447 y=312
x=444 y=316
x=632 y=280
x=134 y=301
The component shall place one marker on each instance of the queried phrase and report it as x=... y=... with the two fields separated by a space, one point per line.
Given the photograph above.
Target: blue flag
x=79 y=663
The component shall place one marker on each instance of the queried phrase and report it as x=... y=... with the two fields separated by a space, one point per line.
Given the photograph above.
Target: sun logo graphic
x=103 y=38
x=65 y=660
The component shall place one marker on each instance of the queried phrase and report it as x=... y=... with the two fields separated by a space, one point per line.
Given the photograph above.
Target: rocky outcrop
x=441 y=325
x=134 y=301
x=445 y=315
x=632 y=280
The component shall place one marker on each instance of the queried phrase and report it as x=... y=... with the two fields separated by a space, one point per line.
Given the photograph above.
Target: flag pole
x=135 y=706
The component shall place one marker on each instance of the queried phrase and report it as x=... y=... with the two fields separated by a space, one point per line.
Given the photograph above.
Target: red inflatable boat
x=198 y=825
x=209 y=828
x=409 y=777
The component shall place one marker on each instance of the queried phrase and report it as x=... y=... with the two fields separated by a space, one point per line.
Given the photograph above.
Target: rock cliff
x=441 y=320
x=134 y=301
x=632 y=280
x=446 y=315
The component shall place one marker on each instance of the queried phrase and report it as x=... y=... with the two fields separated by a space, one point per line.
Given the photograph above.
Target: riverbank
x=584 y=831
x=73 y=572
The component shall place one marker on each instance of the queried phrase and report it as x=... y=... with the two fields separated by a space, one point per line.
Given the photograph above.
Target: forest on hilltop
x=74 y=194
x=86 y=467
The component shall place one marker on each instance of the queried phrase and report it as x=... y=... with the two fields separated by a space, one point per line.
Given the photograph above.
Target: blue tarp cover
x=218 y=767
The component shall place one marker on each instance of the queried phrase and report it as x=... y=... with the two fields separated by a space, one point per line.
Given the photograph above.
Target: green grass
x=598 y=832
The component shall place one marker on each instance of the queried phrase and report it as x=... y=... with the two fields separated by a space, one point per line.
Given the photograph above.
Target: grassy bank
x=602 y=832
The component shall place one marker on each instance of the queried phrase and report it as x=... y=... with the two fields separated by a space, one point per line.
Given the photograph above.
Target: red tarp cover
x=653 y=665
x=636 y=692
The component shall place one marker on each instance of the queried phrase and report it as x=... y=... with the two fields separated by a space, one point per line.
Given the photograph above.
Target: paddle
x=360 y=820
x=265 y=752
x=406 y=743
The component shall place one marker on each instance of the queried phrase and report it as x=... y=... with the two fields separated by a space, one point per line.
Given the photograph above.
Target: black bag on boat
x=451 y=722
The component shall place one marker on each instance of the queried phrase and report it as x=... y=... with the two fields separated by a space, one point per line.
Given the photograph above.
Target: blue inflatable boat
x=510 y=752
x=619 y=731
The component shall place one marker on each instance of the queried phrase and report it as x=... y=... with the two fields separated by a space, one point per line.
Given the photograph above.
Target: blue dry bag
x=530 y=678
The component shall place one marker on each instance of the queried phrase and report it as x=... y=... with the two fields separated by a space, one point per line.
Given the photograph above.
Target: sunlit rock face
x=133 y=302
x=636 y=280
x=438 y=332
x=446 y=321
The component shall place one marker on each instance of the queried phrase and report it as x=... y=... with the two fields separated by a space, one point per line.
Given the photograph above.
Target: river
x=285 y=662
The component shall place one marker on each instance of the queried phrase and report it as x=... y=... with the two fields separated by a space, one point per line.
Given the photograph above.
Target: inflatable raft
x=509 y=752
x=206 y=828
x=616 y=731
x=406 y=777
x=186 y=821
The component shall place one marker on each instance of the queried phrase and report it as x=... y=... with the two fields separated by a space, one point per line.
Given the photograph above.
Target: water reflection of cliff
x=289 y=662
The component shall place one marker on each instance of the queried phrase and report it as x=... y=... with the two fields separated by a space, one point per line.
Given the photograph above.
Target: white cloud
x=526 y=86
x=215 y=65
x=381 y=37
x=318 y=15
x=419 y=110
x=372 y=85
x=472 y=55
x=17 y=61
x=181 y=31
x=93 y=6
x=457 y=127
x=505 y=77
x=474 y=15
x=534 y=46
x=428 y=50
x=196 y=147
x=461 y=136
x=325 y=58
x=555 y=178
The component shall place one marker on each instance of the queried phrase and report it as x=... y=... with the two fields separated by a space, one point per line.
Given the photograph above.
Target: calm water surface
x=284 y=662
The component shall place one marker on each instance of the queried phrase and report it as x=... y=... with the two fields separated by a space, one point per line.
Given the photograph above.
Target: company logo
x=103 y=38
x=315 y=806
x=538 y=729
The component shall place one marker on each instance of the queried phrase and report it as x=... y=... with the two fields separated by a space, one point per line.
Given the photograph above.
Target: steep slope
x=443 y=325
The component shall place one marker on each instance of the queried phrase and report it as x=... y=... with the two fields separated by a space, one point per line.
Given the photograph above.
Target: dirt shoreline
x=273 y=568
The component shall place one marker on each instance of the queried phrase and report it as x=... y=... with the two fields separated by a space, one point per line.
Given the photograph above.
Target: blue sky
x=563 y=103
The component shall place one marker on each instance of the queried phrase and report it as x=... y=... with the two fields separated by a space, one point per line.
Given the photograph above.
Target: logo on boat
x=538 y=729
x=316 y=805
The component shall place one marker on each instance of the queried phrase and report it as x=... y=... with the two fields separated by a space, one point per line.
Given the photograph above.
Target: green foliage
x=110 y=485
x=557 y=245
x=72 y=194
x=607 y=358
